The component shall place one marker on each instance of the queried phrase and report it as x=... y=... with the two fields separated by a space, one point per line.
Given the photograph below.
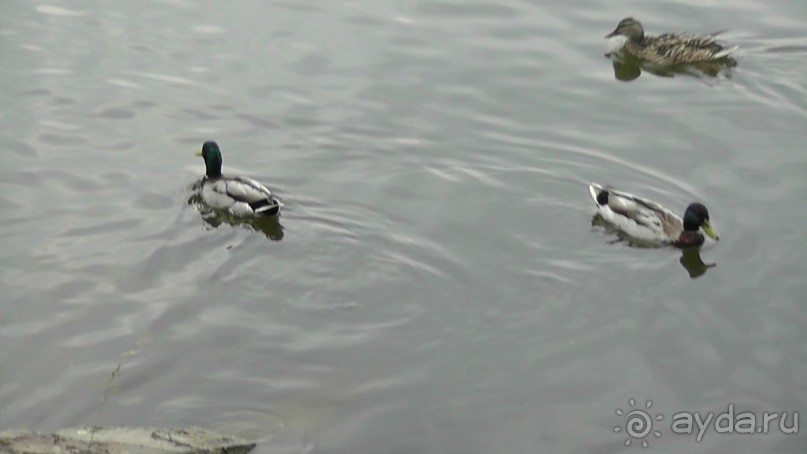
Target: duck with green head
x=238 y=195
x=646 y=220
x=670 y=48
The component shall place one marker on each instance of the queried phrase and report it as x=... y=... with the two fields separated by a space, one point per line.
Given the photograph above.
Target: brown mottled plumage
x=670 y=48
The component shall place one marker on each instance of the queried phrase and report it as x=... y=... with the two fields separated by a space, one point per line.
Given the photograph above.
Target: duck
x=670 y=48
x=646 y=220
x=238 y=195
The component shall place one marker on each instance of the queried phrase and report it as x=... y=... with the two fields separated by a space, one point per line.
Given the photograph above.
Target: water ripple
x=436 y=253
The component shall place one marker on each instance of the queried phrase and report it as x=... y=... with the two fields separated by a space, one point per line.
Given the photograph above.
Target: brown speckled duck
x=670 y=48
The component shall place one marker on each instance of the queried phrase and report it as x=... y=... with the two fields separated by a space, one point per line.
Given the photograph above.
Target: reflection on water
x=690 y=256
x=692 y=262
x=627 y=68
x=438 y=260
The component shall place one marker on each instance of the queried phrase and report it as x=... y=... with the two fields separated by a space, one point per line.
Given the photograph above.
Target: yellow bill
x=709 y=230
x=199 y=153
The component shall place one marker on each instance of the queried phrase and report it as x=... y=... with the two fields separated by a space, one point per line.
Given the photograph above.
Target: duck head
x=697 y=217
x=211 y=153
x=629 y=27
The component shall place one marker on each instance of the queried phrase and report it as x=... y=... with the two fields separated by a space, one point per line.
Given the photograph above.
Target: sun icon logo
x=638 y=423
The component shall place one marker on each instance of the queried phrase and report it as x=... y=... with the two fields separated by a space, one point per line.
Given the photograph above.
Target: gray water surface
x=435 y=284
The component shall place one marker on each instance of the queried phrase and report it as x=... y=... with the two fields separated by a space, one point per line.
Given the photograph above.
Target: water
x=435 y=283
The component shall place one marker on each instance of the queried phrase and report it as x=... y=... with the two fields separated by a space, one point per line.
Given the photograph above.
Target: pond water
x=435 y=283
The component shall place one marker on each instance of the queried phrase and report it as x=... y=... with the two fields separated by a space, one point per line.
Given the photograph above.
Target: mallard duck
x=670 y=48
x=647 y=220
x=240 y=196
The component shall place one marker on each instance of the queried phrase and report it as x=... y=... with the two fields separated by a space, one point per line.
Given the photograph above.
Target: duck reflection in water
x=692 y=262
x=690 y=256
x=269 y=226
x=628 y=68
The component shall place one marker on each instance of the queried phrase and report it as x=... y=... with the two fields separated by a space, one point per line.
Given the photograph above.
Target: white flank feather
x=648 y=229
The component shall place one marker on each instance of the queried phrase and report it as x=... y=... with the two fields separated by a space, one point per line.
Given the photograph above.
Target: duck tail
x=266 y=207
x=725 y=52
x=598 y=193
x=268 y=211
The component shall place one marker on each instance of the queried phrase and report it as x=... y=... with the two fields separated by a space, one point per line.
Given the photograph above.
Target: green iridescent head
x=211 y=153
x=697 y=217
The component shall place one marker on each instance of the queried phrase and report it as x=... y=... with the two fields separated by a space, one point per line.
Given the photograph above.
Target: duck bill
x=612 y=34
x=198 y=153
x=709 y=230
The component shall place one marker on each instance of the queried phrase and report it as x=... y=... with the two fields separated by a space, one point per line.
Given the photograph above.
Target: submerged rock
x=123 y=440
